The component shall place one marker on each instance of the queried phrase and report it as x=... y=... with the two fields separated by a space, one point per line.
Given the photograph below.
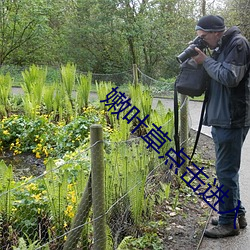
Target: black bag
x=192 y=80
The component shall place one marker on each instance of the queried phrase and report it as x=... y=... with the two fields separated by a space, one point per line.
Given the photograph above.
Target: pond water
x=24 y=165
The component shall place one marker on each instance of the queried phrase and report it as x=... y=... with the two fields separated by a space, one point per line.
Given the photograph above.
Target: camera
x=190 y=51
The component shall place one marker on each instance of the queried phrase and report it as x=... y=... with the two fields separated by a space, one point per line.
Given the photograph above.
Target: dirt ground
x=186 y=225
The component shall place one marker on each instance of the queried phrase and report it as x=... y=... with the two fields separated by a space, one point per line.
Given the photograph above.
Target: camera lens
x=187 y=53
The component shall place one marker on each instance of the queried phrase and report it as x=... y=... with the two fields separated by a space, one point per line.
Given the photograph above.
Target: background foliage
x=106 y=36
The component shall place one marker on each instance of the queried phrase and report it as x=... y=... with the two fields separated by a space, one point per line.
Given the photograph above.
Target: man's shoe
x=221 y=231
x=241 y=219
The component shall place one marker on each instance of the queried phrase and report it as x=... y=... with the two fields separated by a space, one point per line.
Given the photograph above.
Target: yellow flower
x=6 y=132
x=73 y=199
x=37 y=196
x=16 y=152
x=69 y=211
x=45 y=151
x=31 y=186
x=38 y=156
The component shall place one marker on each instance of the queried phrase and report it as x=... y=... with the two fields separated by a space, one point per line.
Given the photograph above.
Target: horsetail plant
x=6 y=184
x=141 y=97
x=83 y=90
x=56 y=185
x=33 y=85
x=103 y=88
x=164 y=118
x=68 y=74
x=5 y=89
x=48 y=98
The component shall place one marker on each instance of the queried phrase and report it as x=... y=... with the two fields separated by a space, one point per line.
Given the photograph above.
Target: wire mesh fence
x=55 y=209
x=159 y=87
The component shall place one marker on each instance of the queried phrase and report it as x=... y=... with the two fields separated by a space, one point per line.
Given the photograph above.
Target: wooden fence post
x=184 y=127
x=80 y=218
x=135 y=74
x=98 y=195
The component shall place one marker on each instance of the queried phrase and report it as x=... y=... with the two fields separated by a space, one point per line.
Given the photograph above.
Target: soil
x=187 y=224
x=25 y=164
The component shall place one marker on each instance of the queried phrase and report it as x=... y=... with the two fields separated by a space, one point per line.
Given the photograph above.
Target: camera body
x=190 y=51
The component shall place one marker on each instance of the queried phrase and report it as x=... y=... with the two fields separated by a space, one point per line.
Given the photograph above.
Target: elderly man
x=228 y=112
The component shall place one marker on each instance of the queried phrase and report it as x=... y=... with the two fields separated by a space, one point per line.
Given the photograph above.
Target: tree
x=108 y=36
x=237 y=12
x=21 y=21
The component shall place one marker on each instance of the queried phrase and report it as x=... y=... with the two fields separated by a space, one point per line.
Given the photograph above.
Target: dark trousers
x=228 y=145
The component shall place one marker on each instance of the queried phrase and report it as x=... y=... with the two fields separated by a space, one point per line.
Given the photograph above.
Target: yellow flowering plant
x=44 y=137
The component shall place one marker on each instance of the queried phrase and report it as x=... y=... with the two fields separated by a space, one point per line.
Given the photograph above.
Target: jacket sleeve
x=234 y=66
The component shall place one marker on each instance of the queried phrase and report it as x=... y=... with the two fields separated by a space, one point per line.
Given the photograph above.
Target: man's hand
x=200 y=58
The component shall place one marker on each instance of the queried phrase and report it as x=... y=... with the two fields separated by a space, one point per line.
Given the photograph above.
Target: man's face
x=211 y=38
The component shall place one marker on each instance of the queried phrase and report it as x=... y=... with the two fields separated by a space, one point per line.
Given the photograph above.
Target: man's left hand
x=200 y=58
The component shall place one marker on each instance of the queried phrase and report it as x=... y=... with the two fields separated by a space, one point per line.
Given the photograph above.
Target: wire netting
x=46 y=208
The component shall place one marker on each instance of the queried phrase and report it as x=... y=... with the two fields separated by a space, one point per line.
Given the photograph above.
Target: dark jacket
x=229 y=90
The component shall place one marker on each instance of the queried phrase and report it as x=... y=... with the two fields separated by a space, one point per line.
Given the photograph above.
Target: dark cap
x=211 y=23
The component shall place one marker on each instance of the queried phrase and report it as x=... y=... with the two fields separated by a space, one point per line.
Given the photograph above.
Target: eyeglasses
x=203 y=36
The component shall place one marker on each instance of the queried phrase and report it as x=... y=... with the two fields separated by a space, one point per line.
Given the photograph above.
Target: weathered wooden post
x=184 y=127
x=98 y=195
x=80 y=218
x=135 y=74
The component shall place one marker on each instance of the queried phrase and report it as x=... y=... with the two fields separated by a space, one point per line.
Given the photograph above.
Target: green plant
x=83 y=90
x=48 y=98
x=103 y=89
x=34 y=81
x=5 y=90
x=147 y=241
x=56 y=184
x=164 y=192
x=68 y=74
x=6 y=184
x=30 y=207
x=141 y=98
x=165 y=119
x=43 y=137
x=23 y=246
x=126 y=172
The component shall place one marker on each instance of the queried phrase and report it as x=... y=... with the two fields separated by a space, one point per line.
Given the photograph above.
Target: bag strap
x=176 y=124
x=200 y=125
